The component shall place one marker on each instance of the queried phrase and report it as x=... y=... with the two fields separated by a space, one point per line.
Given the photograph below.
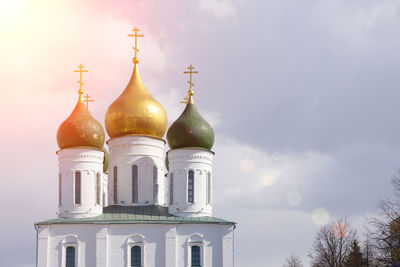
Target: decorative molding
x=82 y=156
x=179 y=155
x=132 y=241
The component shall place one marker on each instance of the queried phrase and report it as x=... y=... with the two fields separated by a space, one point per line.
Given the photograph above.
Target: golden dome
x=136 y=112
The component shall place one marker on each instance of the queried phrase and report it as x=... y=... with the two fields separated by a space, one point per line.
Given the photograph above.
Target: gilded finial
x=80 y=91
x=190 y=82
x=87 y=97
x=136 y=35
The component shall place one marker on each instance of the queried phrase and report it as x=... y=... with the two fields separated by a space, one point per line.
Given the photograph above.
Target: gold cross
x=87 y=101
x=190 y=82
x=136 y=35
x=185 y=100
x=80 y=92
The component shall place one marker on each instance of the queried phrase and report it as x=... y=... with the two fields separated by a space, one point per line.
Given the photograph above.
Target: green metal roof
x=152 y=214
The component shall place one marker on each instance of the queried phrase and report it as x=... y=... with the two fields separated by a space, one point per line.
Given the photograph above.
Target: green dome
x=80 y=129
x=190 y=130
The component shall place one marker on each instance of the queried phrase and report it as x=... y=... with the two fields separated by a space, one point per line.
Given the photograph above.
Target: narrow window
x=191 y=186
x=98 y=188
x=77 y=187
x=135 y=185
x=115 y=185
x=136 y=256
x=171 y=189
x=208 y=187
x=70 y=257
x=59 y=189
x=155 y=184
x=196 y=256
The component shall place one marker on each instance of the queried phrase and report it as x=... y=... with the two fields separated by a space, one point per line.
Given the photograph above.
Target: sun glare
x=7 y=3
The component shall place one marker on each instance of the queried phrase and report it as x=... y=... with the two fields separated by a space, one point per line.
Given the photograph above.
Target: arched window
x=208 y=187
x=70 y=257
x=195 y=256
x=59 y=189
x=191 y=186
x=115 y=176
x=171 y=189
x=136 y=249
x=136 y=256
x=69 y=251
x=98 y=188
x=195 y=250
x=155 y=185
x=135 y=184
x=77 y=187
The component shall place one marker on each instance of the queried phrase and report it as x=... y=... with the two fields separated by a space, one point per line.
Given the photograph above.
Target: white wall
x=89 y=162
x=180 y=162
x=145 y=152
x=106 y=245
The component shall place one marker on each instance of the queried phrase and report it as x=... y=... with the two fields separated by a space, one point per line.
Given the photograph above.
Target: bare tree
x=384 y=229
x=368 y=252
x=332 y=244
x=293 y=261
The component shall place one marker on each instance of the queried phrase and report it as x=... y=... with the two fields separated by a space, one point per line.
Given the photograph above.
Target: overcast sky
x=303 y=96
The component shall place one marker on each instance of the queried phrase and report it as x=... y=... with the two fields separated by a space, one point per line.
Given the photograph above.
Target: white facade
x=108 y=245
x=190 y=198
x=81 y=180
x=146 y=154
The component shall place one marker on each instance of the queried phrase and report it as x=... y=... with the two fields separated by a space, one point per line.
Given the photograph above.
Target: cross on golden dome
x=185 y=100
x=190 y=82
x=81 y=70
x=136 y=35
x=87 y=97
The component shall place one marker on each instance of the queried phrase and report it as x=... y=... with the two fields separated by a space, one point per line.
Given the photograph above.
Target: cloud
x=221 y=9
x=253 y=172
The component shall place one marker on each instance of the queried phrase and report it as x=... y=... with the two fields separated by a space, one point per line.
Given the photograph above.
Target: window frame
x=132 y=241
x=60 y=189
x=209 y=190
x=190 y=187
x=155 y=184
x=140 y=248
x=70 y=241
x=76 y=193
x=135 y=184
x=98 y=189
x=195 y=240
x=66 y=256
x=171 y=188
x=115 y=185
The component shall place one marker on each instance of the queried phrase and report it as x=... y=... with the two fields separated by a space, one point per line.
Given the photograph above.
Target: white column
x=170 y=248
x=87 y=163
x=147 y=154
x=101 y=248
x=42 y=245
x=228 y=247
x=181 y=162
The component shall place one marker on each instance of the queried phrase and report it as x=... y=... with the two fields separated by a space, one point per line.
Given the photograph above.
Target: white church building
x=139 y=205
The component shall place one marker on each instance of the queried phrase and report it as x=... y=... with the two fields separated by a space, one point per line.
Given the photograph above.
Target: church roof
x=152 y=214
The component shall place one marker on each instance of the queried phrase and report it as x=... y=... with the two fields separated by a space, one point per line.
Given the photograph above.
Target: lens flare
x=320 y=216
x=246 y=165
x=268 y=179
x=339 y=229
